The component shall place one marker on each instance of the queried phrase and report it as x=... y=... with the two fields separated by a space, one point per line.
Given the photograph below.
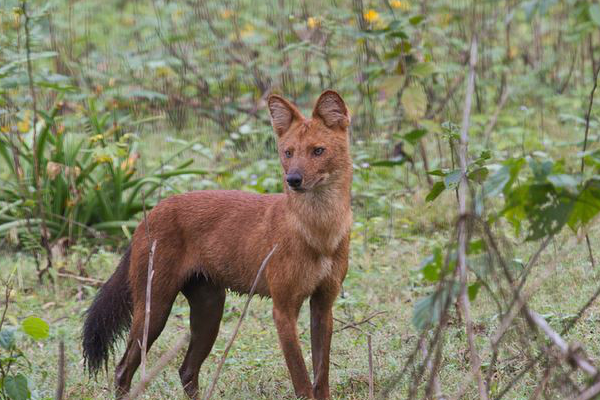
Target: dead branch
x=462 y=228
x=568 y=352
x=60 y=388
x=371 y=394
x=82 y=279
x=355 y=325
x=213 y=384
x=160 y=365
x=150 y=275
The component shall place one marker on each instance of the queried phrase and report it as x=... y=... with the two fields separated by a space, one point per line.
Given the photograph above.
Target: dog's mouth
x=304 y=189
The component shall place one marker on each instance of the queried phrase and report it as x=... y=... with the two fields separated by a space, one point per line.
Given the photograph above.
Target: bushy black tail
x=108 y=317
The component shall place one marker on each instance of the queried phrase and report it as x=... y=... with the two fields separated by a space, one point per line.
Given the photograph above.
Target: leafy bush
x=88 y=182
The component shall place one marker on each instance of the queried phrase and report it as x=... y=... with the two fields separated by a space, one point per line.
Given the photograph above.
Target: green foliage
x=14 y=384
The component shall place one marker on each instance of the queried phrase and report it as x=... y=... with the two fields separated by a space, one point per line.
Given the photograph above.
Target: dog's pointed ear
x=283 y=113
x=331 y=109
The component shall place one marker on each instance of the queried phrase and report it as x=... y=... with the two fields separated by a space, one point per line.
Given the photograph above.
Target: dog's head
x=314 y=152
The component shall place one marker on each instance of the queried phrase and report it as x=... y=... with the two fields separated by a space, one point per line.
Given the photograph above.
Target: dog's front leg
x=285 y=314
x=321 y=327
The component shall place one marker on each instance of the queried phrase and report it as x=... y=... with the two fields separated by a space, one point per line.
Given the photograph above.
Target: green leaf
x=432 y=266
x=35 y=327
x=569 y=182
x=7 y=338
x=16 y=387
x=436 y=190
x=472 y=290
x=452 y=178
x=422 y=69
x=478 y=175
x=427 y=310
x=413 y=136
x=416 y=19
x=387 y=163
x=436 y=172
x=587 y=205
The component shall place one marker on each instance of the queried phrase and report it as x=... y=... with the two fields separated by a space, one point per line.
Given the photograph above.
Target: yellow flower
x=371 y=16
x=103 y=159
x=402 y=5
x=226 y=14
x=247 y=31
x=23 y=126
x=313 y=22
x=5 y=129
x=96 y=138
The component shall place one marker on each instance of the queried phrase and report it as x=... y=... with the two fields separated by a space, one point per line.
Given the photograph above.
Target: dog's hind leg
x=206 y=309
x=160 y=306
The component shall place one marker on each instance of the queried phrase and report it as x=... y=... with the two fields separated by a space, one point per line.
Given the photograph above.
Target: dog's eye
x=288 y=154
x=318 y=151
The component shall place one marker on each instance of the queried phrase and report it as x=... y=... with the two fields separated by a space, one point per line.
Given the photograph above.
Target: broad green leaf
x=452 y=178
x=413 y=136
x=16 y=387
x=7 y=338
x=422 y=69
x=566 y=181
x=35 y=327
x=427 y=310
x=472 y=290
x=587 y=205
x=436 y=190
x=388 y=163
x=478 y=175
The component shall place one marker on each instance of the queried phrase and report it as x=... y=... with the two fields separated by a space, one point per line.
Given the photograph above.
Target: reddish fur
x=211 y=240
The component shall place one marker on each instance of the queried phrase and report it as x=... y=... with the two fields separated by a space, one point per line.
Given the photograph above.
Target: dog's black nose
x=294 y=180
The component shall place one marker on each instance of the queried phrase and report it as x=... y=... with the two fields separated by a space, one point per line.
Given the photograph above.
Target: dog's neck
x=323 y=216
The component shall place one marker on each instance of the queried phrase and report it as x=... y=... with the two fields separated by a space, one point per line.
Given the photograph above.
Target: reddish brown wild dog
x=211 y=241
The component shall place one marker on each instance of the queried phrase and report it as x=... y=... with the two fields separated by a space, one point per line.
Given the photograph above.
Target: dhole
x=211 y=241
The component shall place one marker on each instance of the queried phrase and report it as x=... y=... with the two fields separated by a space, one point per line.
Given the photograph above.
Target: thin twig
x=213 y=384
x=150 y=275
x=562 y=345
x=355 y=325
x=60 y=388
x=585 y=141
x=371 y=387
x=83 y=279
x=462 y=228
x=162 y=363
x=590 y=393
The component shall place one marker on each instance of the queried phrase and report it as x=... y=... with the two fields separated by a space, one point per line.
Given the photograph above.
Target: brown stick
x=585 y=140
x=162 y=363
x=371 y=388
x=60 y=388
x=90 y=281
x=150 y=275
x=462 y=228
x=590 y=393
x=562 y=345
x=213 y=384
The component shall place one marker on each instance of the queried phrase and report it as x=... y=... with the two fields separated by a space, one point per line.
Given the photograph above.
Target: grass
x=382 y=279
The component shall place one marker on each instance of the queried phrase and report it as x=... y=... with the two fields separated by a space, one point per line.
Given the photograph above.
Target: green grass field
x=382 y=280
